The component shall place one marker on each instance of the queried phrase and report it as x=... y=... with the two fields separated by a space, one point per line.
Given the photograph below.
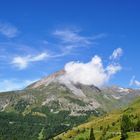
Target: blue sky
x=38 y=37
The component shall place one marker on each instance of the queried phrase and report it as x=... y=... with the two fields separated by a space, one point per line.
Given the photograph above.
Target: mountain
x=54 y=104
x=66 y=95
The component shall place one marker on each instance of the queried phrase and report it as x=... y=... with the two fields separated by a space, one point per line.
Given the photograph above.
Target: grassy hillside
x=106 y=127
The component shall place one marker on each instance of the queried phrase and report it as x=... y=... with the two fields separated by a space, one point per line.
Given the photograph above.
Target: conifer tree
x=92 y=137
x=126 y=126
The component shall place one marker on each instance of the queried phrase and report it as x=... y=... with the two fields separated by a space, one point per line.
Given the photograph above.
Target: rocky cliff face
x=47 y=80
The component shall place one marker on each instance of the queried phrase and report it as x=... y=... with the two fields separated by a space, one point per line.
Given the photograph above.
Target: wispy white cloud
x=39 y=57
x=8 y=30
x=117 y=53
x=22 y=62
x=137 y=83
x=72 y=38
x=90 y=73
x=13 y=84
x=134 y=82
x=113 y=68
x=67 y=42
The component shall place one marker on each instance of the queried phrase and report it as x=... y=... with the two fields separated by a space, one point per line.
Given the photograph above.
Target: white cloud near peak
x=117 y=53
x=23 y=62
x=8 y=30
x=90 y=73
x=113 y=68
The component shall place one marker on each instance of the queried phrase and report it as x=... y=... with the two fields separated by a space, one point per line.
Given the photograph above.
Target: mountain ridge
x=51 y=98
x=52 y=86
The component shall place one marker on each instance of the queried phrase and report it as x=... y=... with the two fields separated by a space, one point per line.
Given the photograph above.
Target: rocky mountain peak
x=47 y=79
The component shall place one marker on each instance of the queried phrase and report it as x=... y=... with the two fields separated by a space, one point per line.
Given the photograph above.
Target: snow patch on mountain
x=123 y=90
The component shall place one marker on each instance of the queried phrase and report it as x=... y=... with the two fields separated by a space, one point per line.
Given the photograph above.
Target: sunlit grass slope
x=107 y=126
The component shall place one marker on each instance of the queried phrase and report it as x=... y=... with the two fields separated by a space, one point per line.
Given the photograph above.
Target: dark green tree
x=92 y=137
x=101 y=127
x=126 y=126
x=138 y=125
x=81 y=139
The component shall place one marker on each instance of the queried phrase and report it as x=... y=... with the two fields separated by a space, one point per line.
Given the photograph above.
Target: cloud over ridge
x=90 y=73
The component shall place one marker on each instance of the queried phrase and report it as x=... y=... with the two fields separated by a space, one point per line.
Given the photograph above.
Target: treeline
x=15 y=126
